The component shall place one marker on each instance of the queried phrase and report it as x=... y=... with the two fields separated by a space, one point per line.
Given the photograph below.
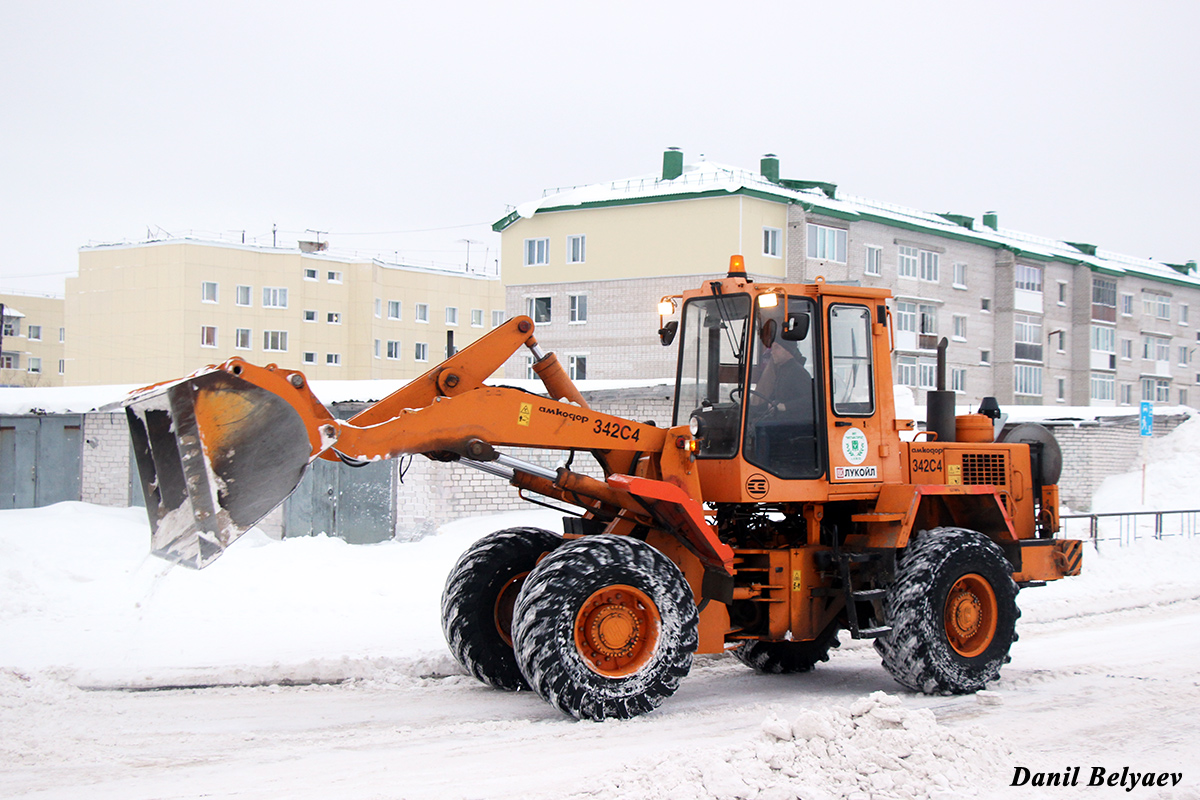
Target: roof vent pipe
x=769 y=167
x=991 y=220
x=672 y=164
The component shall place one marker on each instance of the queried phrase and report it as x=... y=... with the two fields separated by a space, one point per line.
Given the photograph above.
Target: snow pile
x=876 y=749
x=1172 y=465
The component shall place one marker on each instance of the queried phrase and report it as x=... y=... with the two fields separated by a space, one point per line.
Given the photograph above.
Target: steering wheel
x=772 y=405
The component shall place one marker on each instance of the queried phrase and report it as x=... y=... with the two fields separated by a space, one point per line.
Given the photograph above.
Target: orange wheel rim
x=616 y=630
x=971 y=612
x=506 y=600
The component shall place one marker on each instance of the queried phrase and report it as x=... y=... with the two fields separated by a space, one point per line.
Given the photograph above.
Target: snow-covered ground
x=323 y=674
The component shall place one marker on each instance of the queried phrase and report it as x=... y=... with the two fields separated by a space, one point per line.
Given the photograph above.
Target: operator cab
x=752 y=382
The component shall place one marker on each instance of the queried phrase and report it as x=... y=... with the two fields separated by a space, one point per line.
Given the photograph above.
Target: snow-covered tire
x=788 y=658
x=953 y=613
x=605 y=627
x=479 y=597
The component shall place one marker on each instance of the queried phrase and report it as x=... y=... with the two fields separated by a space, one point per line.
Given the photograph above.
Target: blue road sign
x=1147 y=418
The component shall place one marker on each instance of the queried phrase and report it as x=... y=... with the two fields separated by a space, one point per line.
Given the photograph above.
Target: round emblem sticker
x=854 y=446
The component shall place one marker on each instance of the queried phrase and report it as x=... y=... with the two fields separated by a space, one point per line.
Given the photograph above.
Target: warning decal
x=524 y=414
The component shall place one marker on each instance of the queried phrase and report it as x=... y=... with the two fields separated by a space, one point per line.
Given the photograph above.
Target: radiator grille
x=984 y=469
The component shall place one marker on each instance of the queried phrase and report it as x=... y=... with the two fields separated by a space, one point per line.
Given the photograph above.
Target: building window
x=275 y=341
x=906 y=317
x=1183 y=314
x=333 y=359
x=958 y=380
x=241 y=295
x=393 y=309
x=1183 y=356
x=874 y=260
x=451 y=315
x=10 y=361
x=310 y=274
x=393 y=349
x=378 y=307
x=907 y=262
x=1127 y=349
x=1157 y=305
x=576 y=249
x=1104 y=300
x=960 y=327
x=771 y=238
x=1126 y=394
x=1027 y=339
x=334 y=318
x=960 y=275
x=241 y=339
x=377 y=350
x=1156 y=348
x=1104 y=340
x=476 y=317
x=1028 y=278
x=333 y=276
x=33 y=333
x=498 y=318
x=985 y=356
x=529 y=373
x=274 y=297
x=208 y=335
x=1061 y=397
x=578 y=308
x=1127 y=305
x=208 y=292
x=985 y=304
x=1156 y=390
x=1103 y=386
x=310 y=357
x=1062 y=341
x=34 y=364
x=906 y=368
x=62 y=367
x=577 y=367
x=927 y=373
x=537 y=252
x=421 y=311
x=62 y=335
x=310 y=315
x=10 y=326
x=539 y=309
x=422 y=351
x=1027 y=380
x=929 y=266
x=1062 y=293
x=827 y=243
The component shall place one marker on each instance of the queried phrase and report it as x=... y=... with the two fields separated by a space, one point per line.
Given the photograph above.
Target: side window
x=850 y=360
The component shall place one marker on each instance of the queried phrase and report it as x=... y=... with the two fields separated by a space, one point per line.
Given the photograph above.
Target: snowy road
x=1097 y=690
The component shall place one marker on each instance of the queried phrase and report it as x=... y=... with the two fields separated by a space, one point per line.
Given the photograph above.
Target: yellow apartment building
x=32 y=340
x=157 y=310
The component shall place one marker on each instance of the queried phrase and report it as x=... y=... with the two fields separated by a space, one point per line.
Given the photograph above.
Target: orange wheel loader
x=782 y=507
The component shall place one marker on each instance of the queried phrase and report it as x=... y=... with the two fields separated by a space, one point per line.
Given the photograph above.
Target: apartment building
x=1030 y=320
x=156 y=310
x=32 y=337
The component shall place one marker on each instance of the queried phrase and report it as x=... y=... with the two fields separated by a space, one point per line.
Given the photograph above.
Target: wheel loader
x=786 y=503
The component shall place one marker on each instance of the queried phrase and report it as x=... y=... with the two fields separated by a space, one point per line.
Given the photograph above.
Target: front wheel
x=478 y=600
x=605 y=627
x=953 y=613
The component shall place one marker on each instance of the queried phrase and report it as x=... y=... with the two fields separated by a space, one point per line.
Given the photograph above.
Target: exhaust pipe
x=939 y=403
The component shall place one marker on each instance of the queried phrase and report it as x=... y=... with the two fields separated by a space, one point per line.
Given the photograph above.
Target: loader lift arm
x=219 y=449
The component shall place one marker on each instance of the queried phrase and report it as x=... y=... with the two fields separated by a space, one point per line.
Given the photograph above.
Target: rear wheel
x=605 y=627
x=788 y=658
x=478 y=601
x=953 y=613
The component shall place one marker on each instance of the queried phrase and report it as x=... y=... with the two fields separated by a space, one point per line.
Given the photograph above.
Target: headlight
x=696 y=426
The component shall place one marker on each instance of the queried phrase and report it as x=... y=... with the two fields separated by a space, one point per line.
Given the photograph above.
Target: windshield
x=711 y=368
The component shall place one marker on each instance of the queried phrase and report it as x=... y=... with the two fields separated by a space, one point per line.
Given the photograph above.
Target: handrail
x=1130 y=526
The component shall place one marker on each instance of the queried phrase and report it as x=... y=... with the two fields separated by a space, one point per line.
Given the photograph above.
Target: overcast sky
x=422 y=123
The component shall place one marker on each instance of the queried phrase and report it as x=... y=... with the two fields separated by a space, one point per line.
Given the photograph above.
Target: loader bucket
x=215 y=454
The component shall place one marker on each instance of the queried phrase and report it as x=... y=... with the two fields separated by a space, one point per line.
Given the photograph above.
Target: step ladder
x=855 y=595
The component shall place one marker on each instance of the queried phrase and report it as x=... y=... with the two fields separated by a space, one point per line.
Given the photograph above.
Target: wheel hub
x=970 y=615
x=616 y=630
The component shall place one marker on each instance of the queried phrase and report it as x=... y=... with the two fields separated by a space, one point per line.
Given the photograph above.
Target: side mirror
x=795 y=329
x=666 y=334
